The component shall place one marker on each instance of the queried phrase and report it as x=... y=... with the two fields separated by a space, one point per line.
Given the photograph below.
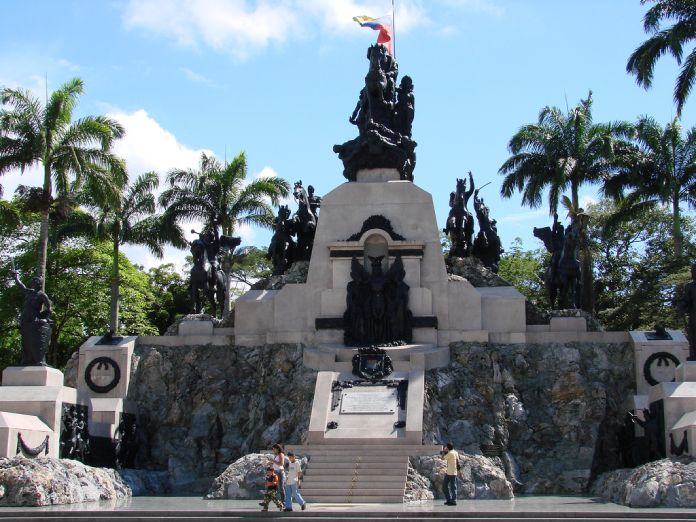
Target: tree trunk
x=677 y=236
x=43 y=230
x=115 y=283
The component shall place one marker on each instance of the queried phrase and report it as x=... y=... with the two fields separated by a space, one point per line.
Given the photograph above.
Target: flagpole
x=393 y=30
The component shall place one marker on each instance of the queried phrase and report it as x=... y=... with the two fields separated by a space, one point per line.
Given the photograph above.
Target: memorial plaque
x=369 y=401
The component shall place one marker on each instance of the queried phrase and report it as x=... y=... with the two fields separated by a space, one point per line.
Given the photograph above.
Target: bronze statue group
x=293 y=236
x=459 y=227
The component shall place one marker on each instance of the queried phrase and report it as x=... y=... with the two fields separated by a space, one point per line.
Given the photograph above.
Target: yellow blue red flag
x=378 y=24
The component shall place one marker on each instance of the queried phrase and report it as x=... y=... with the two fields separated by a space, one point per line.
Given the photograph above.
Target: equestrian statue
x=206 y=275
x=562 y=277
x=384 y=116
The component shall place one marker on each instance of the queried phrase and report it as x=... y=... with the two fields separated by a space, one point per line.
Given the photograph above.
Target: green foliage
x=637 y=273
x=673 y=40
x=220 y=195
x=75 y=155
x=559 y=153
x=660 y=169
x=524 y=269
x=171 y=291
x=250 y=265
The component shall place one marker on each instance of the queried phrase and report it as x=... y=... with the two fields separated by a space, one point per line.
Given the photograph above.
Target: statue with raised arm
x=383 y=114
x=687 y=305
x=487 y=246
x=34 y=323
x=460 y=223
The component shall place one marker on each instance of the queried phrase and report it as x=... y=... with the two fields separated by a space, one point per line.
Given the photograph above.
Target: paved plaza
x=526 y=507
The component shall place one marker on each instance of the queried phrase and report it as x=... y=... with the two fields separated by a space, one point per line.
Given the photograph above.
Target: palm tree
x=560 y=153
x=642 y=61
x=219 y=195
x=75 y=155
x=659 y=170
x=133 y=220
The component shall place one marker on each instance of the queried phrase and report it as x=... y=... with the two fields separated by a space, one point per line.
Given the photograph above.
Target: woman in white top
x=279 y=468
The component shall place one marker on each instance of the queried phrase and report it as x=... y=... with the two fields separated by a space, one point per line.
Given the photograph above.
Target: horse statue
x=282 y=248
x=380 y=87
x=487 y=246
x=460 y=223
x=304 y=223
x=206 y=275
x=562 y=277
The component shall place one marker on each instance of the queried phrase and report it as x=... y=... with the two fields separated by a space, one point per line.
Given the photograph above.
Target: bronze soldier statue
x=35 y=322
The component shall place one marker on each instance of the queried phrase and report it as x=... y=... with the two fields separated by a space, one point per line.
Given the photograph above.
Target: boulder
x=662 y=483
x=45 y=481
x=479 y=477
x=243 y=479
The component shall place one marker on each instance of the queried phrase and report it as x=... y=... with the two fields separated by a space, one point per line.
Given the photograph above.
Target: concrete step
x=402 y=467
x=385 y=461
x=367 y=448
x=343 y=469
x=320 y=482
x=328 y=472
x=355 y=499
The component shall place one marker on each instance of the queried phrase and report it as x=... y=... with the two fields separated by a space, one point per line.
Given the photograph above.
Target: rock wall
x=203 y=407
x=548 y=415
x=663 y=483
x=551 y=412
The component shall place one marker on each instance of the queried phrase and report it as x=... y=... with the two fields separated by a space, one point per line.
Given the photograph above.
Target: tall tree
x=637 y=274
x=659 y=170
x=560 y=153
x=672 y=39
x=219 y=195
x=75 y=155
x=132 y=220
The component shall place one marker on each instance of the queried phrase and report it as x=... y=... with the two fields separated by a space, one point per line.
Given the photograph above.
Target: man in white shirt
x=292 y=483
x=451 y=457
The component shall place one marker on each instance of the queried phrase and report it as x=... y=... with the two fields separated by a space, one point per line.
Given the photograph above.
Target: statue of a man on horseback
x=562 y=277
x=460 y=223
x=206 y=275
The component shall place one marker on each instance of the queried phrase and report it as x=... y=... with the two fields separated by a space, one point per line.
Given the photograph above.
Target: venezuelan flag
x=385 y=30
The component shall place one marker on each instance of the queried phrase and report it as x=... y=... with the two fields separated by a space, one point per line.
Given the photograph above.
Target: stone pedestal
x=379 y=215
x=103 y=381
x=657 y=360
x=31 y=407
x=31 y=376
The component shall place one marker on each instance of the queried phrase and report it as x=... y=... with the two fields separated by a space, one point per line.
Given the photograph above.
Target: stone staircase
x=366 y=473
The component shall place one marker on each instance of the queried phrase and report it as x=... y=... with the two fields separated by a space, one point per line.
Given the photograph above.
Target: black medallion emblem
x=104 y=364
x=663 y=360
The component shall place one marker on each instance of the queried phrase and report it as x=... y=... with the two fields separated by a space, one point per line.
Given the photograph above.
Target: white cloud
x=147 y=146
x=197 y=78
x=242 y=27
x=232 y=26
x=266 y=172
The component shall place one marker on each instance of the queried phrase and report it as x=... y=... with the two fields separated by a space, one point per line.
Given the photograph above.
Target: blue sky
x=279 y=79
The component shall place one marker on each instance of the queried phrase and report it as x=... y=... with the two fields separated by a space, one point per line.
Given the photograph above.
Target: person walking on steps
x=271 y=494
x=449 y=486
x=279 y=468
x=292 y=483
